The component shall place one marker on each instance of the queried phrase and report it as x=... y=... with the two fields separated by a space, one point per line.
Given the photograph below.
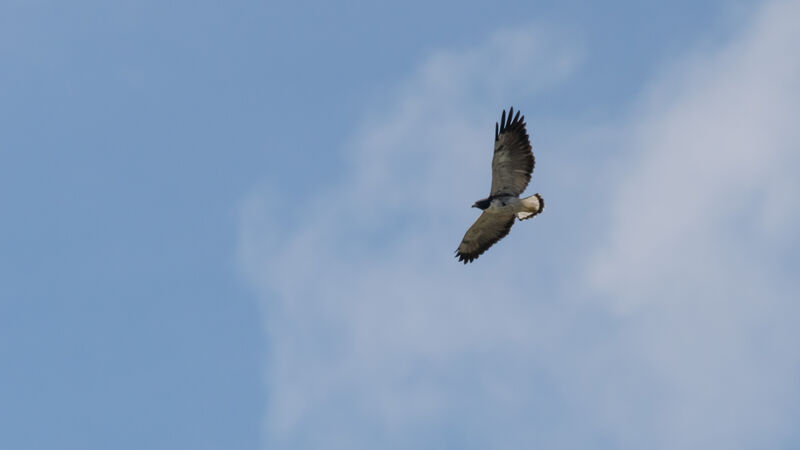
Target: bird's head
x=482 y=204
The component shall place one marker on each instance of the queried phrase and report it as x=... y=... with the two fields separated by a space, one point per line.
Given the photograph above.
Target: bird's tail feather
x=532 y=205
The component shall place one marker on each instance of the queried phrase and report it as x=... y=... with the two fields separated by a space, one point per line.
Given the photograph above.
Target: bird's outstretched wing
x=488 y=229
x=513 y=161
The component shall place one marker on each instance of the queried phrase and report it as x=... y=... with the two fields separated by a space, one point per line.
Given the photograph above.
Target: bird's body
x=504 y=204
x=524 y=208
x=512 y=166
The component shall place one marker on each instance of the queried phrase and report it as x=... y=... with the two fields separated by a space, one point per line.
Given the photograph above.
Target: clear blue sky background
x=131 y=132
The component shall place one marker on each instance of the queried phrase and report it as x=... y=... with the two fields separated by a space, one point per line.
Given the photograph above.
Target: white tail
x=532 y=206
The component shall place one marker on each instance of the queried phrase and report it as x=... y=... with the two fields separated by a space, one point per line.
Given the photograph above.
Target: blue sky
x=231 y=224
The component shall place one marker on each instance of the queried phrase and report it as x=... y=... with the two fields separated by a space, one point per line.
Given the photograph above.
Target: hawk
x=512 y=166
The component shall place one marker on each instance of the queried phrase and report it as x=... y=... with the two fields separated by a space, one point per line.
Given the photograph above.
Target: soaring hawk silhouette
x=512 y=166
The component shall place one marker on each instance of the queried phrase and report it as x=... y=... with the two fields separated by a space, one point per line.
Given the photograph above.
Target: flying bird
x=512 y=166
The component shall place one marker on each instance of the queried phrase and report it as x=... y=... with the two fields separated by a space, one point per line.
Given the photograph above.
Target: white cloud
x=678 y=334
x=718 y=137
x=700 y=230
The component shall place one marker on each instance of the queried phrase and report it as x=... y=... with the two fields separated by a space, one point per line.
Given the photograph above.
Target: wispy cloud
x=694 y=261
x=654 y=312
